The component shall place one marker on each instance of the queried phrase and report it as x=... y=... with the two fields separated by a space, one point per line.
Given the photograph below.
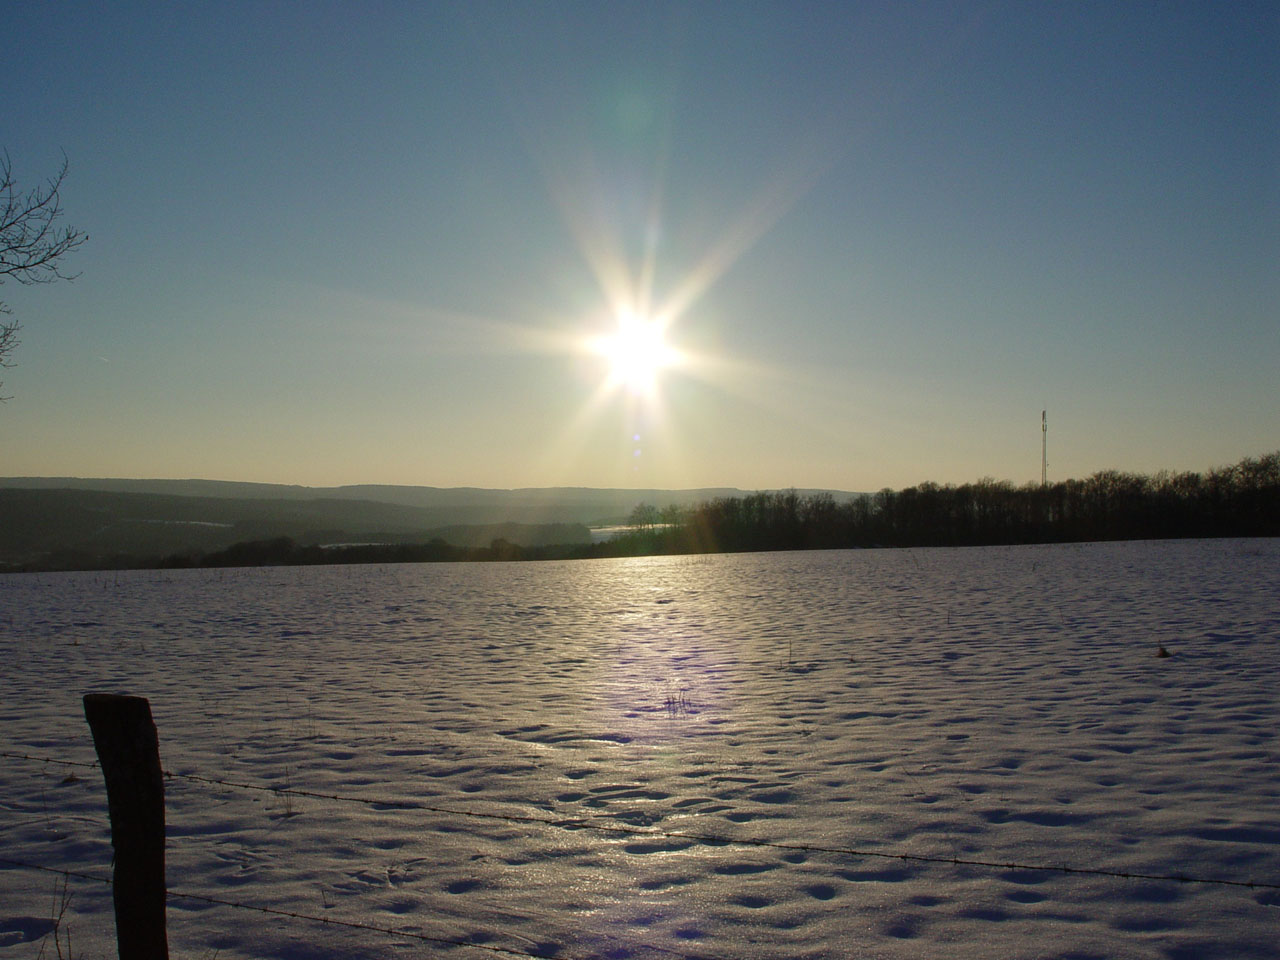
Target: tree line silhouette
x=1242 y=500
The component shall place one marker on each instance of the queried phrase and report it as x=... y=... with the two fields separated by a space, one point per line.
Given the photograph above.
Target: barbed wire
x=594 y=823
x=352 y=924
x=38 y=759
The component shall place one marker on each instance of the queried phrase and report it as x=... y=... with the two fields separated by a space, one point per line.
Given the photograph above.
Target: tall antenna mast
x=1044 y=448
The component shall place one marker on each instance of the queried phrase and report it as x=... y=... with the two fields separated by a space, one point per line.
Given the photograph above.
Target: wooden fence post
x=129 y=749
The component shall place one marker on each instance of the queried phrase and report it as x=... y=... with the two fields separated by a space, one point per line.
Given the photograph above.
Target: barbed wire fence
x=598 y=824
x=576 y=823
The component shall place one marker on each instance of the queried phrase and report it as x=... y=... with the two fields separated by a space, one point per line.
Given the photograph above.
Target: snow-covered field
x=724 y=756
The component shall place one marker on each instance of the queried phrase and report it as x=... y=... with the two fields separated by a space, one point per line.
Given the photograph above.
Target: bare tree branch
x=8 y=341
x=32 y=243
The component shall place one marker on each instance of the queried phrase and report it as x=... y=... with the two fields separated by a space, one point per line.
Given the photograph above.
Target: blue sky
x=372 y=242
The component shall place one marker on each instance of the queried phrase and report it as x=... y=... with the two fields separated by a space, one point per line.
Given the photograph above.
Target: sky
x=869 y=242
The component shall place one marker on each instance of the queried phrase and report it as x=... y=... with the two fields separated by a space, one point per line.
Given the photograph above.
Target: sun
x=636 y=351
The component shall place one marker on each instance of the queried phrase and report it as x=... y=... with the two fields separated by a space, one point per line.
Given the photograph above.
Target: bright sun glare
x=636 y=351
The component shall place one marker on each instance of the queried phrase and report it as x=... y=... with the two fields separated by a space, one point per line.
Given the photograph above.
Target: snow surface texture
x=1003 y=704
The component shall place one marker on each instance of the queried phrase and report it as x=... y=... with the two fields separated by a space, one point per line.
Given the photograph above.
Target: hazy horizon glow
x=336 y=244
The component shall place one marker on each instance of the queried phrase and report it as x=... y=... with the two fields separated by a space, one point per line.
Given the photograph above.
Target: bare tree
x=32 y=243
x=644 y=516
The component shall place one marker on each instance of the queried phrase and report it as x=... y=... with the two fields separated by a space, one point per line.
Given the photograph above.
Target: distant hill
x=38 y=524
x=43 y=516
x=589 y=505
